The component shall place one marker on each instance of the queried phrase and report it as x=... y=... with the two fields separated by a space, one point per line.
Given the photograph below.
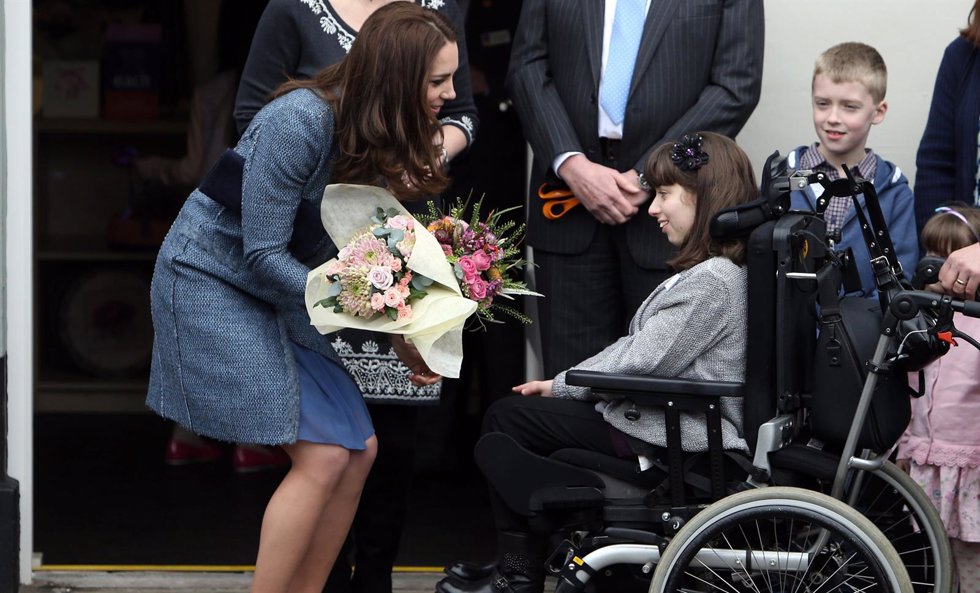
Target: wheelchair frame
x=830 y=517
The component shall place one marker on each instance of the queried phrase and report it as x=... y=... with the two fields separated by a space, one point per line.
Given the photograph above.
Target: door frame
x=17 y=330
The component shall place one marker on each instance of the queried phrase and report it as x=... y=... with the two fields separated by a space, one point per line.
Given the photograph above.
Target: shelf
x=62 y=391
x=88 y=249
x=102 y=126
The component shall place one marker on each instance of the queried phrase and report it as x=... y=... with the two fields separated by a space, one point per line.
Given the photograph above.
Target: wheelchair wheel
x=780 y=540
x=903 y=512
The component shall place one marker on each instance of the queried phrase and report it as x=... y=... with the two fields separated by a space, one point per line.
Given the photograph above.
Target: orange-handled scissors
x=558 y=200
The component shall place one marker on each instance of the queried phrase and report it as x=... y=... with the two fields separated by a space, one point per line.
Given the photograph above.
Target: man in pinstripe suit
x=698 y=67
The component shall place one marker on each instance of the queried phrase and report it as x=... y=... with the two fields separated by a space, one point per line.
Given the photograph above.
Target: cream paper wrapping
x=436 y=324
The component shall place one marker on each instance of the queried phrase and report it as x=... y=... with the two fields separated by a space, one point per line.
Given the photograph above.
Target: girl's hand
x=419 y=373
x=542 y=388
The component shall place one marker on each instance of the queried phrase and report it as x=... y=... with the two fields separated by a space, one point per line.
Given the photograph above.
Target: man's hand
x=960 y=275
x=542 y=388
x=599 y=188
x=629 y=184
x=419 y=373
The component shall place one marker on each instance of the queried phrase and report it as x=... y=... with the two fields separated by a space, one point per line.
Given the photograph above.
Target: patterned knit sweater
x=692 y=326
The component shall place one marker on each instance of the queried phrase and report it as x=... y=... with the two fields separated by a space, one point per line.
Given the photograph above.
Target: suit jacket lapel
x=658 y=18
x=594 y=12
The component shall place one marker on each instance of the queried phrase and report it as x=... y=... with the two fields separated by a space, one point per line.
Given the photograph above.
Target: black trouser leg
x=544 y=425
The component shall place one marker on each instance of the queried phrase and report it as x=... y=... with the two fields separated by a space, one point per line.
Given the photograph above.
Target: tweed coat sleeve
x=735 y=80
x=671 y=329
x=291 y=146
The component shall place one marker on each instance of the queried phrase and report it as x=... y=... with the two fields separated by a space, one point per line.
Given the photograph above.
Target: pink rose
x=404 y=312
x=380 y=277
x=468 y=266
x=377 y=301
x=478 y=289
x=400 y=222
x=392 y=298
x=482 y=260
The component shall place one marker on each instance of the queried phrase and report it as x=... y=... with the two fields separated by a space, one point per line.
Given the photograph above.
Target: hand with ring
x=419 y=373
x=960 y=275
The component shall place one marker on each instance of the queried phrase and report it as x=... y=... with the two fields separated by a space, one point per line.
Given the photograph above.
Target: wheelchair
x=817 y=507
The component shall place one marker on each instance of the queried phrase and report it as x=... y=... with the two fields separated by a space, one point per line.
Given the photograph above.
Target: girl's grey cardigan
x=691 y=326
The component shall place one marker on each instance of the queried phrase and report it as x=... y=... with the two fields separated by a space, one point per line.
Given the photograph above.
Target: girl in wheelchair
x=691 y=326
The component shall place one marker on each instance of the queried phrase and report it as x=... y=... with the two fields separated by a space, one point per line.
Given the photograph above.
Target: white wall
x=911 y=36
x=16 y=191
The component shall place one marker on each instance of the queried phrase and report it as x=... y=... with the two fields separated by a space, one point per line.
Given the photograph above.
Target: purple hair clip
x=687 y=153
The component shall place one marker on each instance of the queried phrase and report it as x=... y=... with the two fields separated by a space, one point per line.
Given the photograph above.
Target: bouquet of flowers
x=370 y=276
x=390 y=276
x=482 y=254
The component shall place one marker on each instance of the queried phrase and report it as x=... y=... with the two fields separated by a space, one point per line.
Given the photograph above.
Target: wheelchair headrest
x=773 y=202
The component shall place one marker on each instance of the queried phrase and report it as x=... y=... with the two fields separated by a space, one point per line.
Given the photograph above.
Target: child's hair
x=854 y=62
x=725 y=180
x=952 y=227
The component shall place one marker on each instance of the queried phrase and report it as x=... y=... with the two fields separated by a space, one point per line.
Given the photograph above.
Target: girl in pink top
x=941 y=446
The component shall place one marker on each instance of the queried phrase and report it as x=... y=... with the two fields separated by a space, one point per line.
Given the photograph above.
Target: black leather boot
x=469 y=571
x=519 y=569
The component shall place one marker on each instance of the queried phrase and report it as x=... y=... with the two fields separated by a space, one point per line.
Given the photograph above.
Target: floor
x=104 y=497
x=185 y=582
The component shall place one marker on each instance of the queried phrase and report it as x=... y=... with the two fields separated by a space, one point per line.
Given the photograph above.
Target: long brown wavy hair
x=972 y=30
x=384 y=128
x=725 y=180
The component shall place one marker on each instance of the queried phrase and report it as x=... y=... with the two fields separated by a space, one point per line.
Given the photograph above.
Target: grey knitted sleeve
x=671 y=330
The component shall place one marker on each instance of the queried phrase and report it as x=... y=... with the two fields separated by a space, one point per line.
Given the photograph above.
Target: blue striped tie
x=623 y=46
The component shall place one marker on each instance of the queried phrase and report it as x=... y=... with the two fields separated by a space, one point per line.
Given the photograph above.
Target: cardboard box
x=70 y=88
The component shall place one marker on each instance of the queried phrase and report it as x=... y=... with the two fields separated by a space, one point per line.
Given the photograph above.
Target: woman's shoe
x=183 y=453
x=254 y=458
x=468 y=571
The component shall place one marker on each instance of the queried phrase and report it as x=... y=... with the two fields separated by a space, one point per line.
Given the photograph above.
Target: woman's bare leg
x=334 y=523
x=293 y=513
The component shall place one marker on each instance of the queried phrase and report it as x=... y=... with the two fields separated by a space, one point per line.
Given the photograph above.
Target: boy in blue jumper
x=848 y=93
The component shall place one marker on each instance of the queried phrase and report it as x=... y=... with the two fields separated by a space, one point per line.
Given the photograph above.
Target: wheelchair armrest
x=638 y=384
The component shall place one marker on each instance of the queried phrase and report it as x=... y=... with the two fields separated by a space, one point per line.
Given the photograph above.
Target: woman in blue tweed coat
x=235 y=357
